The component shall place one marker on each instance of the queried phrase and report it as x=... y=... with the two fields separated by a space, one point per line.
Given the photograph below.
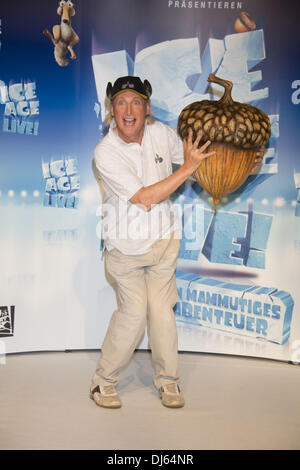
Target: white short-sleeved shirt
x=124 y=168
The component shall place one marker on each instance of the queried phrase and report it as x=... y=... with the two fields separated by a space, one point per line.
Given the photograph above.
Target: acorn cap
x=225 y=121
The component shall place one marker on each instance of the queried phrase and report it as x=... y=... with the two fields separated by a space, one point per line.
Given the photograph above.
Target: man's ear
x=148 y=107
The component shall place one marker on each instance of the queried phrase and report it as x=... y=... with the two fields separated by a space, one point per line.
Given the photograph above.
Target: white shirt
x=124 y=168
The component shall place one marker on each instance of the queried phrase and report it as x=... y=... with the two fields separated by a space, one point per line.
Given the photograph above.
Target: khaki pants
x=146 y=294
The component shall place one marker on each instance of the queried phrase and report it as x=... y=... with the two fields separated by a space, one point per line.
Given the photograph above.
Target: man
x=134 y=161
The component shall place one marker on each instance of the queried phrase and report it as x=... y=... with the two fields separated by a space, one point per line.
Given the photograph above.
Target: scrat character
x=64 y=37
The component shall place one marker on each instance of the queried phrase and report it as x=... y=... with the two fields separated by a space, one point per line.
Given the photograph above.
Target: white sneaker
x=106 y=396
x=171 y=396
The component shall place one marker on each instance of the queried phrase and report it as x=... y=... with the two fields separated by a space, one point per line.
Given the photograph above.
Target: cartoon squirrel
x=64 y=37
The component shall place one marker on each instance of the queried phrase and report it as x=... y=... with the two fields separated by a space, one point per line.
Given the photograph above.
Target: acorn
x=236 y=131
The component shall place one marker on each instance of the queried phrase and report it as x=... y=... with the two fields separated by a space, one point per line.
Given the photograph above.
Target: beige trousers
x=146 y=294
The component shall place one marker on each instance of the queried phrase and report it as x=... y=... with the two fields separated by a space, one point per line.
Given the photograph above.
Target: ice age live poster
x=238 y=267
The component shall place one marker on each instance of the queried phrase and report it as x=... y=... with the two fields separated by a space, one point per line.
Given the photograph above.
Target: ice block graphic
x=170 y=63
x=259 y=312
x=232 y=58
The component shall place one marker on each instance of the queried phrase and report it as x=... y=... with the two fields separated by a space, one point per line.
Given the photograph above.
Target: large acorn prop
x=237 y=131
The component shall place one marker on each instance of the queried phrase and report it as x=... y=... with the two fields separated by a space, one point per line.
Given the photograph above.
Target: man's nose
x=129 y=108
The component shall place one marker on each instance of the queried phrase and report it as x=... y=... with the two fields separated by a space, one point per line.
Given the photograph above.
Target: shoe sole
x=104 y=406
x=173 y=406
x=179 y=405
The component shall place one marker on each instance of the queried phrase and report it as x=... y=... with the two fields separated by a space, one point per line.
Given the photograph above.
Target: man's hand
x=193 y=156
x=258 y=160
x=148 y=196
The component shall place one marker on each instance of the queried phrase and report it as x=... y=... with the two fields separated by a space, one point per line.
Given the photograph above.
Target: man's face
x=130 y=111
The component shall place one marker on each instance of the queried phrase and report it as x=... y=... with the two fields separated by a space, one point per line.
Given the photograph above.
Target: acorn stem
x=226 y=98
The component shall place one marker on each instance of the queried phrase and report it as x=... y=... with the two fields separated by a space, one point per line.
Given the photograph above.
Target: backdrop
x=238 y=269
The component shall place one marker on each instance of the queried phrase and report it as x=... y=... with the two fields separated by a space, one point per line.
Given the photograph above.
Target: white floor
x=231 y=403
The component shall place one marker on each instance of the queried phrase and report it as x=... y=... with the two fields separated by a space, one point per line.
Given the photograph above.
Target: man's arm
x=157 y=192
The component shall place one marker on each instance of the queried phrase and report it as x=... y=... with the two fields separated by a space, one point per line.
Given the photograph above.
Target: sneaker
x=171 y=396
x=106 y=396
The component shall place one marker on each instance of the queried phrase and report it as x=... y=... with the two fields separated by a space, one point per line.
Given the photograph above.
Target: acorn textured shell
x=236 y=131
x=236 y=123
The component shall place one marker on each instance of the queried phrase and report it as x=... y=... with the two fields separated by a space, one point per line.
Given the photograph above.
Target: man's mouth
x=129 y=121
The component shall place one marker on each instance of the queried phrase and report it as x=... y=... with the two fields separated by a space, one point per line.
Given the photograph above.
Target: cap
x=129 y=83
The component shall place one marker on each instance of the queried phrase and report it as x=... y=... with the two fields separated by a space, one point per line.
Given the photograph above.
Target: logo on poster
x=62 y=183
x=7 y=318
x=20 y=108
x=256 y=311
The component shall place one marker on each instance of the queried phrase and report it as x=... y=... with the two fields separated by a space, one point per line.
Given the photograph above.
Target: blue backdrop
x=238 y=279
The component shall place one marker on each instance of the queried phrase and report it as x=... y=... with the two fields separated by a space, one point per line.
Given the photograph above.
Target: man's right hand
x=148 y=196
x=193 y=156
